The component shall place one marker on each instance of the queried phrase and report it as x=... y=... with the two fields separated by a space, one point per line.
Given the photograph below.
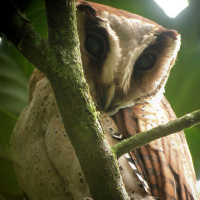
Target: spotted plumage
x=126 y=62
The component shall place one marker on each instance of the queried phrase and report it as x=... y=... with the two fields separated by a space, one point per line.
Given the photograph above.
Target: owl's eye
x=146 y=61
x=94 y=45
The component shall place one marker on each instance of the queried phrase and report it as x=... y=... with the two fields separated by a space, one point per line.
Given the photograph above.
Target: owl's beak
x=109 y=93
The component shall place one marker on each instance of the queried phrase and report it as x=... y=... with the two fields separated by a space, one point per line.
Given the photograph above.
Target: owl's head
x=126 y=58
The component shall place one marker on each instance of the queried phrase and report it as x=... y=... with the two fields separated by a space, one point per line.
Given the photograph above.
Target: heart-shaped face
x=126 y=58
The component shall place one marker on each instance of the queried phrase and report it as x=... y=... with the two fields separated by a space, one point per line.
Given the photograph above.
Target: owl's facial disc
x=126 y=58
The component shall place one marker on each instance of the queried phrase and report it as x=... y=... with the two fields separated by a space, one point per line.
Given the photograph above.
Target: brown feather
x=165 y=163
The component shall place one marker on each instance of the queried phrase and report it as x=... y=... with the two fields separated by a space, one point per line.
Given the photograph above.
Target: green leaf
x=8 y=183
x=13 y=80
x=7 y=123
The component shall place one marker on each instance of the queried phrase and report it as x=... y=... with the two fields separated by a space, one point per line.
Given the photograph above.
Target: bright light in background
x=172 y=7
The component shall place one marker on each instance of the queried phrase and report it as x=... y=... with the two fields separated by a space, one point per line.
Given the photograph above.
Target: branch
x=62 y=27
x=59 y=58
x=20 y=32
x=76 y=106
x=163 y=130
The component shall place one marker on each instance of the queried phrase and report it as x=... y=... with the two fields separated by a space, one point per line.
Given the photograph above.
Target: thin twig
x=163 y=130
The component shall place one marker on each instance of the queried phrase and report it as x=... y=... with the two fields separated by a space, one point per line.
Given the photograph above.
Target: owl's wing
x=165 y=163
x=45 y=162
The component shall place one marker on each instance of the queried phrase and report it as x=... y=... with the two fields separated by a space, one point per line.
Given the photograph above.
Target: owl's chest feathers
x=49 y=140
x=149 y=115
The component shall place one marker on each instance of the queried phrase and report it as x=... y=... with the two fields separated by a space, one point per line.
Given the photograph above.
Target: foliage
x=182 y=91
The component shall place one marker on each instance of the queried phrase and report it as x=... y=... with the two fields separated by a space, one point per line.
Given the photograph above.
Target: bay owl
x=126 y=61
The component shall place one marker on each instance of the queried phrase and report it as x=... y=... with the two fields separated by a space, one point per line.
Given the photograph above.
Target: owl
x=126 y=61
